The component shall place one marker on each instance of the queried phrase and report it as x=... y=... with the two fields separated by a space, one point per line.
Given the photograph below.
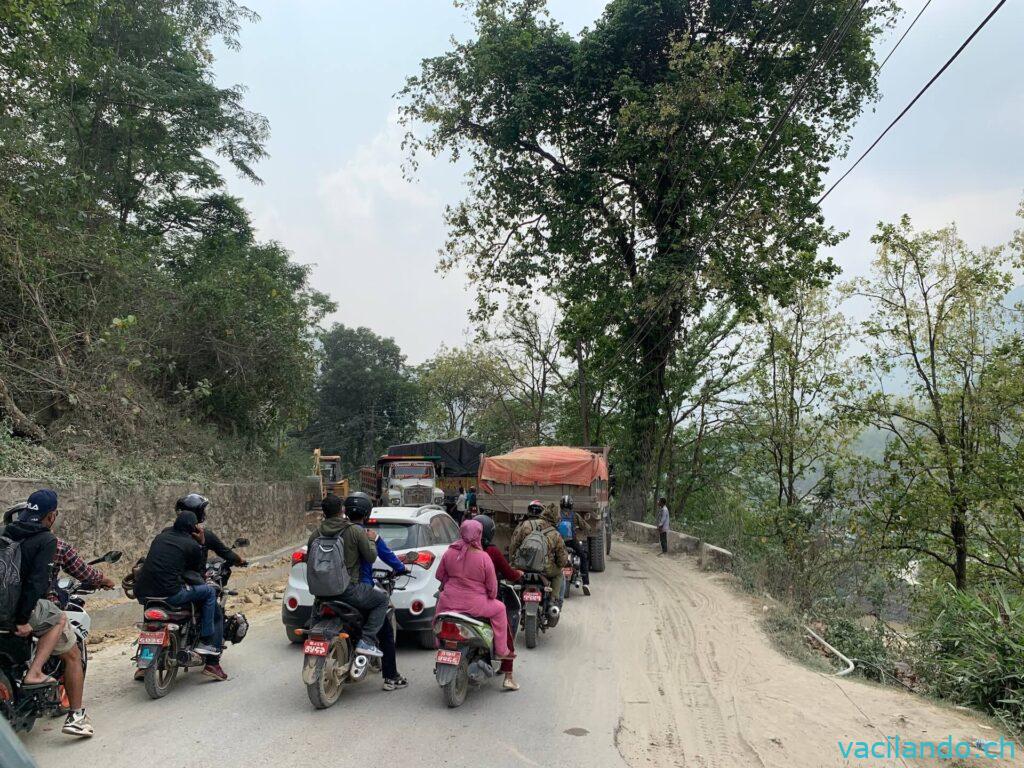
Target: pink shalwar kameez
x=470 y=585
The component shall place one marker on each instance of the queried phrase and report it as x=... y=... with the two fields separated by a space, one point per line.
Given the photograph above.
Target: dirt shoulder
x=708 y=689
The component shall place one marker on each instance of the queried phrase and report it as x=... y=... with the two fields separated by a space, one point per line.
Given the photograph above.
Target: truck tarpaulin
x=461 y=457
x=545 y=465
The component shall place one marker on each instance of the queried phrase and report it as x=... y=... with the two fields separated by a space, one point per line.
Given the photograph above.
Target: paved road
x=262 y=717
x=663 y=666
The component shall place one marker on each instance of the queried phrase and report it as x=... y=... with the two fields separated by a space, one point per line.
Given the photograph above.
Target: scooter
x=465 y=652
x=23 y=706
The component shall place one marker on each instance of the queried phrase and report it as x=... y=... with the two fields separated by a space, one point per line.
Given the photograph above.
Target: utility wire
x=913 y=101
x=903 y=36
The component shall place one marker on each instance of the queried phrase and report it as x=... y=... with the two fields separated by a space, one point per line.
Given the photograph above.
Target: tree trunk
x=958 y=529
x=21 y=424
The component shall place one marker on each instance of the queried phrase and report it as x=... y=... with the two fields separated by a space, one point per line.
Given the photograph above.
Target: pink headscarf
x=471 y=535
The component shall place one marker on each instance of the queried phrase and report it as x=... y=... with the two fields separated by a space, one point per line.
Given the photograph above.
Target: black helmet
x=535 y=509
x=357 y=505
x=195 y=503
x=566 y=502
x=488 y=526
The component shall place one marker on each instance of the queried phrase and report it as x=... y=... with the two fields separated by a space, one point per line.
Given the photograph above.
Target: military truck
x=508 y=483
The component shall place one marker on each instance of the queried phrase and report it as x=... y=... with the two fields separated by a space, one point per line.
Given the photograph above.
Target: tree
x=941 y=325
x=366 y=397
x=662 y=161
x=458 y=385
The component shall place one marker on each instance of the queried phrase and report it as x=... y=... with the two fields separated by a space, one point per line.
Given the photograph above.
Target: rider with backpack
x=537 y=546
x=333 y=561
x=28 y=550
x=573 y=528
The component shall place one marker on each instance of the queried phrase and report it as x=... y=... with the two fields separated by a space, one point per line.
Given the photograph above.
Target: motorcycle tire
x=530 y=627
x=292 y=637
x=455 y=691
x=160 y=681
x=426 y=640
x=325 y=686
x=7 y=706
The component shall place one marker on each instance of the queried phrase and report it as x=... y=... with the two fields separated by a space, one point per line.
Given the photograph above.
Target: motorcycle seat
x=463 y=617
x=174 y=613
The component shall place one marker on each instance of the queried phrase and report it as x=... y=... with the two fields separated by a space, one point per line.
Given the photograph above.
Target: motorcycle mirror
x=112 y=556
x=240 y=543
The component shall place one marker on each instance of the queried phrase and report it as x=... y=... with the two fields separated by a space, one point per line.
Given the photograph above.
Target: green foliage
x=972 y=648
x=367 y=398
x=599 y=164
x=137 y=300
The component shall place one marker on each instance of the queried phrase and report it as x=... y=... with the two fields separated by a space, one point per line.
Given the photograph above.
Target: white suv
x=426 y=531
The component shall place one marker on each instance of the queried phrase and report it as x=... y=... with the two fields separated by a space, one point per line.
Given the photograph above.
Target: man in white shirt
x=460 y=506
x=663 y=520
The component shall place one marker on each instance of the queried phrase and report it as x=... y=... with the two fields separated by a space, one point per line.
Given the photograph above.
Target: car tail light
x=425 y=558
x=299 y=556
x=449 y=630
x=292 y=603
x=416 y=607
x=156 y=614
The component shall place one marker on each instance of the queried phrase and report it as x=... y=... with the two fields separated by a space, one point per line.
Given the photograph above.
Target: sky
x=325 y=74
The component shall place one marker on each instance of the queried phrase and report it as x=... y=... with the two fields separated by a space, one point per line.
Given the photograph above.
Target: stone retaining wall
x=711 y=557
x=98 y=516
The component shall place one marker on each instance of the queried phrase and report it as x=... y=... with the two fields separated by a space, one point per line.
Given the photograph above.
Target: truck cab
x=410 y=483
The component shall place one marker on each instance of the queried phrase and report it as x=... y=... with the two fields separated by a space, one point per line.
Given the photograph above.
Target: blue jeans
x=212 y=628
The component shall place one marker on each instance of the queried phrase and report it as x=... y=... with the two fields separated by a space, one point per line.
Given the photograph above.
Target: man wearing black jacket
x=175 y=551
x=36 y=615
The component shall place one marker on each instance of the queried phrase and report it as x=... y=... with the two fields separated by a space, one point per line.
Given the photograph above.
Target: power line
x=903 y=36
x=913 y=101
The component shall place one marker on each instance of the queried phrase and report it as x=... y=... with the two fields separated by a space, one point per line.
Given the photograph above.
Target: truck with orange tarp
x=506 y=485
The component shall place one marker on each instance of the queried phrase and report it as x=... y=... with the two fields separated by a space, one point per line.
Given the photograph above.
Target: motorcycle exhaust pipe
x=554 y=611
x=358 y=668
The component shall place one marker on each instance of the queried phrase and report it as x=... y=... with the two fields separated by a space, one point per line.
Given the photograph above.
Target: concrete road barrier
x=711 y=557
x=715 y=558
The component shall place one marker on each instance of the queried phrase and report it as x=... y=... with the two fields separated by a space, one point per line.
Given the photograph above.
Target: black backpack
x=10 y=579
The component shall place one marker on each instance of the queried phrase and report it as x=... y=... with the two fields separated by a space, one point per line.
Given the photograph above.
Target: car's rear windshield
x=397 y=535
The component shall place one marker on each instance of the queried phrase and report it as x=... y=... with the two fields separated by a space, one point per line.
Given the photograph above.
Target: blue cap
x=40 y=504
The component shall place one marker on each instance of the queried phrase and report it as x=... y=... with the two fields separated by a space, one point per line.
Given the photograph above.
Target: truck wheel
x=531 y=631
x=596 y=546
x=607 y=539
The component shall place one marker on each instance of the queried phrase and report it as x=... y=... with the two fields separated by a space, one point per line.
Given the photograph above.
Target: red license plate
x=567 y=572
x=449 y=657
x=316 y=647
x=532 y=597
x=152 y=638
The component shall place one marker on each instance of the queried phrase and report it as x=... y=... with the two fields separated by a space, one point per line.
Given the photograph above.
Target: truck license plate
x=316 y=647
x=152 y=638
x=449 y=657
x=532 y=597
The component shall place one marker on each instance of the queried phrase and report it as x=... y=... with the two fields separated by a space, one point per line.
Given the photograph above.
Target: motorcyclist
x=198 y=504
x=506 y=595
x=545 y=519
x=35 y=614
x=359 y=547
x=172 y=572
x=571 y=525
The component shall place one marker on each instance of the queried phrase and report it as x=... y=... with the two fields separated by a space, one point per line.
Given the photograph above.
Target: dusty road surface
x=663 y=666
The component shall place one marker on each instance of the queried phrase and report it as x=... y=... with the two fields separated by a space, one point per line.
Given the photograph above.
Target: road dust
x=710 y=691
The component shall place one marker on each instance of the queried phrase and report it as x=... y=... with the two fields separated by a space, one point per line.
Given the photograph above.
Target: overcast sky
x=324 y=72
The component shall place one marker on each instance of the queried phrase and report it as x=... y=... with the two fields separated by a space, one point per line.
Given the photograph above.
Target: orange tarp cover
x=545 y=465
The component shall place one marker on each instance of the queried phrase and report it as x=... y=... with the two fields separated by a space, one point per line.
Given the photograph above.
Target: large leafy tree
x=367 y=398
x=667 y=158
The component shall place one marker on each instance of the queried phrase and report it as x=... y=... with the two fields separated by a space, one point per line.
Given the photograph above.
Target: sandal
x=509 y=685
x=41 y=684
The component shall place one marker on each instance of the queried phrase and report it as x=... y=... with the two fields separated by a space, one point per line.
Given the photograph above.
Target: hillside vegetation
x=145 y=331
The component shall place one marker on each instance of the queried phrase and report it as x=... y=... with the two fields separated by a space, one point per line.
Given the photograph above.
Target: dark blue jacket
x=384 y=553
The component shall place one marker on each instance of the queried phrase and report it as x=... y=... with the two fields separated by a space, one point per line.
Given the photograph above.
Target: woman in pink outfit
x=470 y=586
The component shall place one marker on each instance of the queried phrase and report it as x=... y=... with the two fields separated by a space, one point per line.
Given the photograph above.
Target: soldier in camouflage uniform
x=546 y=520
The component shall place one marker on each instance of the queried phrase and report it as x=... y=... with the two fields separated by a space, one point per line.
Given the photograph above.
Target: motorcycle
x=329 y=649
x=23 y=706
x=540 y=612
x=465 y=648
x=168 y=635
x=573 y=575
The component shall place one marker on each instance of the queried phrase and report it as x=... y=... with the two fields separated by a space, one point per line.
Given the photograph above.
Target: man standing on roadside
x=460 y=506
x=663 y=524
